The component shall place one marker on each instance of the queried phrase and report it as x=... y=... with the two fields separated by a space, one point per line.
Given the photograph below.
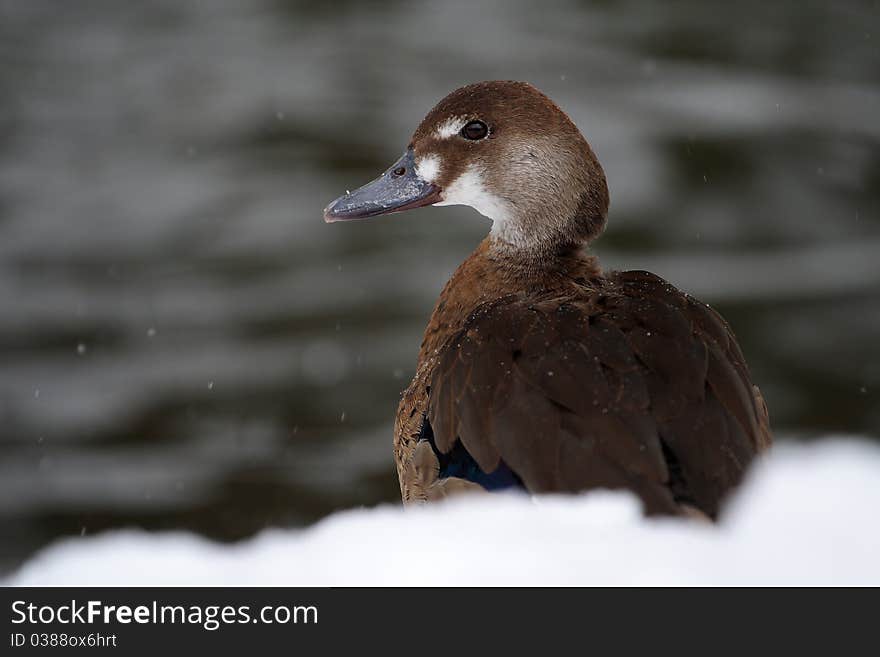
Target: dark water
x=184 y=342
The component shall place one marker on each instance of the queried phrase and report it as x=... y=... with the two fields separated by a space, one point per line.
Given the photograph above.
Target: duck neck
x=527 y=266
x=497 y=269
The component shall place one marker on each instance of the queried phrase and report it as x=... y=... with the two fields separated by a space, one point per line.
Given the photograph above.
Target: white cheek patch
x=450 y=127
x=468 y=189
x=428 y=168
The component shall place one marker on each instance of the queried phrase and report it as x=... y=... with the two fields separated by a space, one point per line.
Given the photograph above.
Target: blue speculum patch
x=460 y=464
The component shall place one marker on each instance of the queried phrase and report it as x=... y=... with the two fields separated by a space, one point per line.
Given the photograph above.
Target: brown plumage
x=537 y=368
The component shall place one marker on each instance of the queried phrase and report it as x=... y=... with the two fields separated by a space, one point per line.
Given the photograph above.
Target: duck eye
x=475 y=130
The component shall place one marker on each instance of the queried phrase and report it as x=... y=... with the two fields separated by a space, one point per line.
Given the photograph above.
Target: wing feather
x=634 y=386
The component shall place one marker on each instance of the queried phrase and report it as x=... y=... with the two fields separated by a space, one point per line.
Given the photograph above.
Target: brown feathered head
x=504 y=149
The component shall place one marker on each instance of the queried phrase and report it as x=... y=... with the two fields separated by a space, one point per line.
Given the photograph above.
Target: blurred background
x=184 y=344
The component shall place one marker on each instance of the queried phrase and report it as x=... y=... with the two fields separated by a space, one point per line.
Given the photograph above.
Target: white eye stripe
x=451 y=127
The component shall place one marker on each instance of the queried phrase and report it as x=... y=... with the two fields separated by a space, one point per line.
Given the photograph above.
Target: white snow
x=806 y=515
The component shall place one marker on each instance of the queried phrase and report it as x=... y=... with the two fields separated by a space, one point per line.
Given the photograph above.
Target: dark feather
x=632 y=385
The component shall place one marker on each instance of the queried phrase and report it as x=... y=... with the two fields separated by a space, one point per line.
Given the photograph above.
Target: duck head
x=506 y=150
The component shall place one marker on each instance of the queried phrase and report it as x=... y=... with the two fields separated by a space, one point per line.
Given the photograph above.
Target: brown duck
x=538 y=369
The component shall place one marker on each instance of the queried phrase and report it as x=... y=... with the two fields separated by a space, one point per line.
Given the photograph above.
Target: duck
x=539 y=370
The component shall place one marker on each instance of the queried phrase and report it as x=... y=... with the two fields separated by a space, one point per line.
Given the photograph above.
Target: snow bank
x=807 y=515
